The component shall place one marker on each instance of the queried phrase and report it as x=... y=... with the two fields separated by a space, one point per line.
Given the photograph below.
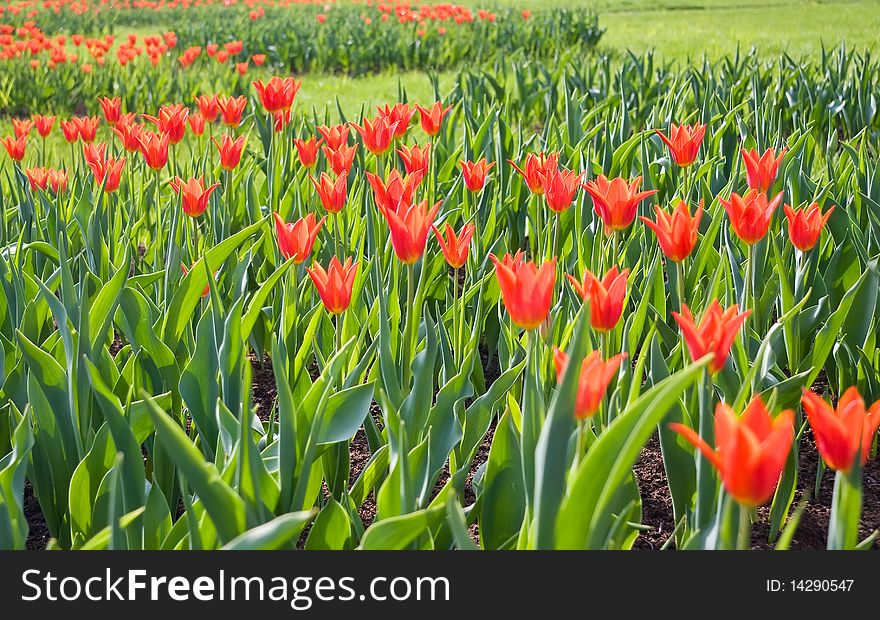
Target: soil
x=38 y=535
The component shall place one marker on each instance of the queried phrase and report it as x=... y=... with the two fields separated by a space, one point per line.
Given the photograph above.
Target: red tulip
x=399 y=115
x=751 y=450
x=196 y=123
x=805 y=225
x=761 y=170
x=560 y=187
x=94 y=153
x=44 y=124
x=474 y=173
x=171 y=121
x=334 y=285
x=70 y=131
x=129 y=134
x=335 y=136
x=750 y=215
x=536 y=168
x=58 y=181
x=714 y=334
x=209 y=106
x=242 y=68
x=377 y=134
x=341 y=159
x=332 y=193
x=606 y=296
x=616 y=201
x=259 y=59
x=22 y=127
x=15 y=147
x=193 y=194
x=431 y=118
x=455 y=247
x=684 y=142
x=415 y=159
x=278 y=93
x=295 y=240
x=154 y=148
x=398 y=191
x=38 y=178
x=526 y=289
x=108 y=173
x=87 y=126
x=230 y=151
x=307 y=151
x=231 y=109
x=677 y=232
x=843 y=435
x=112 y=108
x=409 y=226
x=593 y=380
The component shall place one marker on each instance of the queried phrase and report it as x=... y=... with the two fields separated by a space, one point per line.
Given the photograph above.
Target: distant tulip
x=112 y=108
x=593 y=380
x=94 y=153
x=715 y=333
x=332 y=193
x=560 y=187
x=129 y=134
x=194 y=195
x=44 y=124
x=474 y=173
x=750 y=215
x=334 y=285
x=196 y=123
x=108 y=173
x=431 y=118
x=334 y=136
x=307 y=151
x=70 y=131
x=259 y=59
x=843 y=435
x=278 y=93
x=22 y=127
x=805 y=225
x=684 y=142
x=87 y=127
x=415 y=159
x=15 y=147
x=455 y=247
x=38 y=178
x=230 y=151
x=171 y=121
x=57 y=181
x=606 y=296
x=677 y=232
x=295 y=240
x=396 y=191
x=535 y=169
x=340 y=160
x=761 y=170
x=231 y=110
x=399 y=115
x=209 y=106
x=751 y=450
x=376 y=134
x=154 y=148
x=409 y=226
x=616 y=201
x=526 y=289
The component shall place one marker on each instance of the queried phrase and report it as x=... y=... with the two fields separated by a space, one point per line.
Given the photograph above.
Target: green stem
x=579 y=449
x=705 y=480
x=846 y=510
x=744 y=529
x=406 y=351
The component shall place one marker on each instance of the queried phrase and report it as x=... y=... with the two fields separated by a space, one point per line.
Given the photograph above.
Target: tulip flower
x=606 y=296
x=415 y=159
x=112 y=108
x=843 y=435
x=334 y=136
x=87 y=126
x=295 y=240
x=399 y=115
x=172 y=121
x=94 y=153
x=334 y=285
x=38 y=178
x=193 y=194
x=616 y=201
x=332 y=193
x=377 y=134
x=396 y=192
x=715 y=333
x=70 y=131
x=196 y=123
x=154 y=148
x=593 y=380
x=474 y=173
x=129 y=134
x=409 y=226
x=44 y=124
x=231 y=109
x=22 y=127
x=560 y=187
x=15 y=147
x=535 y=169
x=209 y=107
x=527 y=290
x=307 y=151
x=805 y=225
x=677 y=232
x=431 y=118
x=57 y=181
x=455 y=247
x=750 y=215
x=684 y=142
x=751 y=450
x=341 y=159
x=761 y=170
x=278 y=93
x=108 y=173
x=230 y=150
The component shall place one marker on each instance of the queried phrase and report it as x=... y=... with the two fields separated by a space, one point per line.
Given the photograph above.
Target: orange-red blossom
x=193 y=194
x=527 y=290
x=684 y=142
x=606 y=296
x=455 y=247
x=714 y=334
x=295 y=240
x=616 y=201
x=409 y=226
x=593 y=380
x=677 y=232
x=805 y=225
x=761 y=169
x=843 y=435
x=334 y=285
x=750 y=215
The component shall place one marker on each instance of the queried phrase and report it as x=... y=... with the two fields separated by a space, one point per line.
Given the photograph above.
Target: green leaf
x=279 y=533
x=331 y=530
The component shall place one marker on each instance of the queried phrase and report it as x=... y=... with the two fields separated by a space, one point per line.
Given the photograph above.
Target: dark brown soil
x=38 y=534
x=263 y=388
